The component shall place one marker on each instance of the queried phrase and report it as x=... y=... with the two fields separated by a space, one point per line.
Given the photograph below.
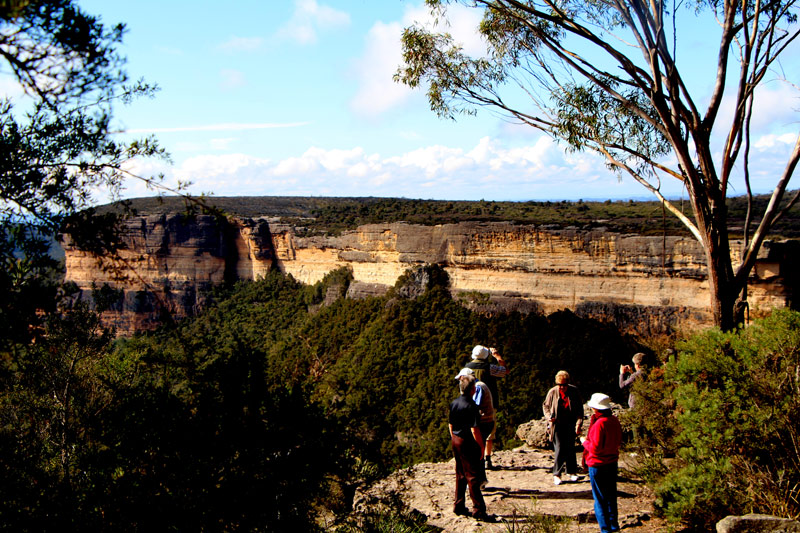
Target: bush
x=737 y=396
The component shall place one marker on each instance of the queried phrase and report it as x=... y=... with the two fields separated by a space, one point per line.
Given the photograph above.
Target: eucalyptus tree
x=57 y=139
x=604 y=76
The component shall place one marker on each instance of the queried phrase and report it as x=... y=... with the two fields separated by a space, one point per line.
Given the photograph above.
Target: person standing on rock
x=489 y=374
x=627 y=375
x=467 y=449
x=602 y=455
x=483 y=399
x=563 y=409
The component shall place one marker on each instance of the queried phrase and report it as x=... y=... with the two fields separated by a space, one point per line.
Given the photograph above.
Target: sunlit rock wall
x=645 y=284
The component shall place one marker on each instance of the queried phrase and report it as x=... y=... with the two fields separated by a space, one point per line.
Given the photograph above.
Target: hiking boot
x=485 y=517
x=461 y=511
x=489 y=465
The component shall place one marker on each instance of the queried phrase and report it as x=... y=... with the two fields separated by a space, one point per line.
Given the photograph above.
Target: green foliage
x=589 y=115
x=56 y=148
x=382 y=367
x=274 y=402
x=736 y=397
x=186 y=429
x=50 y=395
x=52 y=158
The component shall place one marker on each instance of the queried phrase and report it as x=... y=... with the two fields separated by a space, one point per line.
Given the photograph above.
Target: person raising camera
x=628 y=375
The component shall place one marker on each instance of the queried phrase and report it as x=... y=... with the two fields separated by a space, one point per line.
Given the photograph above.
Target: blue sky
x=295 y=97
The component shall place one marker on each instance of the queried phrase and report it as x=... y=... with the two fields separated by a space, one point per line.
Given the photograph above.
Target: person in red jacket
x=601 y=446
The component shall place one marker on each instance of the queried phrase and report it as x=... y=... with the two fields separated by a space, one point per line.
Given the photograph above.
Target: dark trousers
x=468 y=474
x=564 y=450
x=604 y=490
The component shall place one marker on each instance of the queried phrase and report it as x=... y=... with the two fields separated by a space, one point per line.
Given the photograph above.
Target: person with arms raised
x=489 y=373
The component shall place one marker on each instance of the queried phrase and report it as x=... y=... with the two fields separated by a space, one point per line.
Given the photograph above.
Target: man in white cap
x=467 y=444
x=482 y=397
x=488 y=373
x=601 y=446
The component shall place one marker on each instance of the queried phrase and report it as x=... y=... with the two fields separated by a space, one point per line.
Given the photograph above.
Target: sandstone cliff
x=646 y=283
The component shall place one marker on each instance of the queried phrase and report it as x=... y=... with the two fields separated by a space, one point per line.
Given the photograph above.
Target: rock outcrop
x=650 y=284
x=757 y=523
x=518 y=490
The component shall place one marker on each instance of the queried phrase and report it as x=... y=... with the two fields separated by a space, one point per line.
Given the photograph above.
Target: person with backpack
x=489 y=373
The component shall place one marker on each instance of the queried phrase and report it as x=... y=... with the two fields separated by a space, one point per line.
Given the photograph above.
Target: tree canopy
x=58 y=145
x=605 y=76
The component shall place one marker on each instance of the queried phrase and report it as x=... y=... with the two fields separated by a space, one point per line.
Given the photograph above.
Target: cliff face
x=644 y=283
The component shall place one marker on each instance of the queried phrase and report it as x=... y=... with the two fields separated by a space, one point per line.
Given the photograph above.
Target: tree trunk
x=722 y=283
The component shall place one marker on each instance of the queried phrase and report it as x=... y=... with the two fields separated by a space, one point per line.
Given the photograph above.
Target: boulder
x=534 y=433
x=757 y=523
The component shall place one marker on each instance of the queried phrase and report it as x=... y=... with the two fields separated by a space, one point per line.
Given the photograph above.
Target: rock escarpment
x=646 y=283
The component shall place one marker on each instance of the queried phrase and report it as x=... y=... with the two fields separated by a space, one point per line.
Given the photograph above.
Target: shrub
x=737 y=396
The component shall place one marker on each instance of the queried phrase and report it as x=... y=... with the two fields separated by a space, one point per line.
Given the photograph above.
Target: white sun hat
x=599 y=401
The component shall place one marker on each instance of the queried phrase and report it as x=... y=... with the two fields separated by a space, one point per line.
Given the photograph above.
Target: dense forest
x=279 y=395
x=267 y=410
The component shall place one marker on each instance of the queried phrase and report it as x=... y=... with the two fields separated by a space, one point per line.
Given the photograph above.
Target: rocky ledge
x=521 y=486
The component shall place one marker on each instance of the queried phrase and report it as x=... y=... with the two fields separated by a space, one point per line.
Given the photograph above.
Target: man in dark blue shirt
x=468 y=449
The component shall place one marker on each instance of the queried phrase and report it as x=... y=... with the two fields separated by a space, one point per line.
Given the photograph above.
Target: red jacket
x=602 y=442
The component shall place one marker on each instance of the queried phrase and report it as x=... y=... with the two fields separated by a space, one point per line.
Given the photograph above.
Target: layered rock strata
x=648 y=283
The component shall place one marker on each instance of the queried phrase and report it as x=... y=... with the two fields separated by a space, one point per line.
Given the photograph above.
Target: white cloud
x=242 y=44
x=488 y=170
x=767 y=142
x=210 y=166
x=776 y=106
x=309 y=18
x=296 y=165
x=10 y=87
x=463 y=25
x=378 y=92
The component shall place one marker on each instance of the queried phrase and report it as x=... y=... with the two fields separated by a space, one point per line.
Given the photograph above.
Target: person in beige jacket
x=563 y=409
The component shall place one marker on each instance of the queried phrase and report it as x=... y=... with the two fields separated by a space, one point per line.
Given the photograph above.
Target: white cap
x=480 y=352
x=465 y=372
x=599 y=401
